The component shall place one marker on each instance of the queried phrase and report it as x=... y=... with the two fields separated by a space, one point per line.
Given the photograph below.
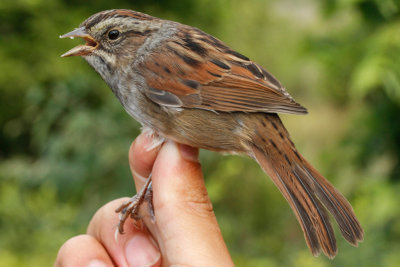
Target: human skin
x=185 y=231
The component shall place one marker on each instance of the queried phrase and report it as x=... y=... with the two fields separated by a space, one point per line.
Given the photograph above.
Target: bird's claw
x=131 y=207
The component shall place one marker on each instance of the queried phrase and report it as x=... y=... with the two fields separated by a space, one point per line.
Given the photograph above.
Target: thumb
x=188 y=232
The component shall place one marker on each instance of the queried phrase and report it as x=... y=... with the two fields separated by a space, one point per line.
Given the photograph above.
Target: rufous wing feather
x=204 y=73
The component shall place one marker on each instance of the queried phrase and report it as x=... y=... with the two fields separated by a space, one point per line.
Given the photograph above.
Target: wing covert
x=195 y=70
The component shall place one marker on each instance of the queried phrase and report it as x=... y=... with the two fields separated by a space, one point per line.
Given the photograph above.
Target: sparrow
x=187 y=86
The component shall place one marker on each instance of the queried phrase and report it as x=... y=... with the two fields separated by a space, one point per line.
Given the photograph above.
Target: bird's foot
x=131 y=207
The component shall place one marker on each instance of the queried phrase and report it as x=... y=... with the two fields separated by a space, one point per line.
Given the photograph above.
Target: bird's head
x=112 y=38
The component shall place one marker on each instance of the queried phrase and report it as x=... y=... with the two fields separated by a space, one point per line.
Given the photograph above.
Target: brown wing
x=196 y=70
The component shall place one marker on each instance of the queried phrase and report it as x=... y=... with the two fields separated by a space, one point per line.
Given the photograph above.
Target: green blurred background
x=64 y=138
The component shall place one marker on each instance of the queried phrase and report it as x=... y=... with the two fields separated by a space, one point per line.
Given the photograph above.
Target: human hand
x=185 y=232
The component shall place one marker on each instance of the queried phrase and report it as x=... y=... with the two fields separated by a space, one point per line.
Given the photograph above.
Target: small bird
x=185 y=85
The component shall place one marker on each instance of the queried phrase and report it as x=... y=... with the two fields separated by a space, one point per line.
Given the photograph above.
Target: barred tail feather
x=309 y=194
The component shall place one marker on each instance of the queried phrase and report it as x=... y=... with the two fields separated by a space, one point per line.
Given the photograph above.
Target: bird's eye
x=113 y=34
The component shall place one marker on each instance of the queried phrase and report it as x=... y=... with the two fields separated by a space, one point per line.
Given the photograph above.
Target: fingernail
x=96 y=263
x=189 y=153
x=140 y=251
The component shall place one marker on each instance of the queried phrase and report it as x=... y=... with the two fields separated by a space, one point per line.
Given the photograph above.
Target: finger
x=83 y=250
x=134 y=248
x=188 y=231
x=141 y=159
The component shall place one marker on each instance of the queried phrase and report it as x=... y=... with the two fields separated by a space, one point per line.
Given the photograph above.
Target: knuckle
x=199 y=203
x=195 y=202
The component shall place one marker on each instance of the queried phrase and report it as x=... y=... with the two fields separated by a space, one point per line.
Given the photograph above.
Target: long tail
x=309 y=194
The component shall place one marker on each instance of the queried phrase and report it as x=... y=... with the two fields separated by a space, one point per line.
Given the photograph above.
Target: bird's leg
x=149 y=199
x=132 y=206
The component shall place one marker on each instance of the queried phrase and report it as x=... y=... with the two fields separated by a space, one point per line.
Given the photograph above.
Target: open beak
x=80 y=50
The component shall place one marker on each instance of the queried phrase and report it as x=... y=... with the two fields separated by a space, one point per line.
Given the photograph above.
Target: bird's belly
x=217 y=131
x=223 y=132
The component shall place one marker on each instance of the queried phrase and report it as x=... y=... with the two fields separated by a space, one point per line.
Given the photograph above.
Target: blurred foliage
x=64 y=138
